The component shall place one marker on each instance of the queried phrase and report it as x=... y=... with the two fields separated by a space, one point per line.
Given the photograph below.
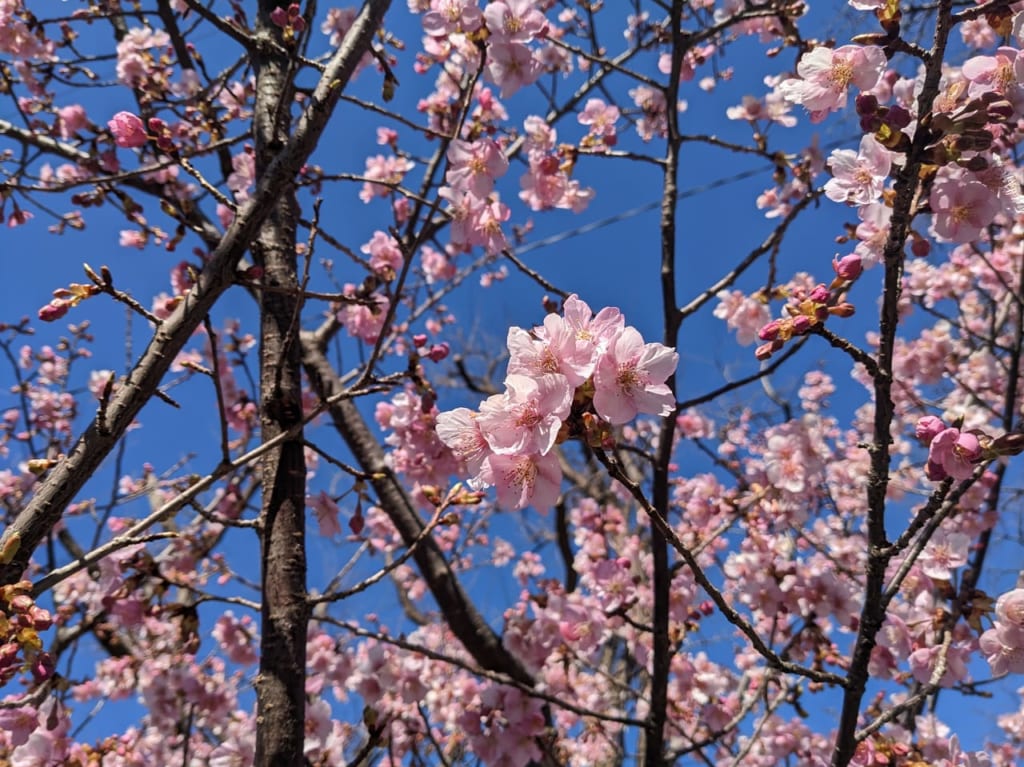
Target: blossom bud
x=770 y=331
x=820 y=294
x=898 y=117
x=439 y=351
x=279 y=16
x=928 y=427
x=54 y=310
x=844 y=309
x=848 y=267
x=419 y=340
x=867 y=104
x=934 y=472
x=801 y=324
x=920 y=247
x=765 y=351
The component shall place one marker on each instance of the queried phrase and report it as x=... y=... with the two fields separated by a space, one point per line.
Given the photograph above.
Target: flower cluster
x=477 y=212
x=1003 y=644
x=808 y=308
x=21 y=620
x=569 y=377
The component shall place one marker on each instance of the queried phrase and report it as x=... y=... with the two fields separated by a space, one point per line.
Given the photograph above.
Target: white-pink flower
x=459 y=430
x=527 y=417
x=511 y=66
x=630 y=378
x=825 y=75
x=524 y=480
x=858 y=177
x=128 y=130
x=514 y=21
x=961 y=208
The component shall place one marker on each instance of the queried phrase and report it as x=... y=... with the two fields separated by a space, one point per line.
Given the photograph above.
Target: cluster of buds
x=65 y=298
x=954 y=452
x=435 y=353
x=967 y=128
x=886 y=122
x=812 y=309
x=21 y=647
x=290 y=21
x=161 y=134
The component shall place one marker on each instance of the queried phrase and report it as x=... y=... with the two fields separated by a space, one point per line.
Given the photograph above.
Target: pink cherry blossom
x=447 y=17
x=858 y=177
x=825 y=75
x=473 y=166
x=460 y=431
x=511 y=66
x=128 y=130
x=630 y=378
x=952 y=454
x=527 y=417
x=961 y=209
x=514 y=21
x=600 y=118
x=524 y=480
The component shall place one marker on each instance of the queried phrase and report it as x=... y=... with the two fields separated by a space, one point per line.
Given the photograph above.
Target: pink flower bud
x=128 y=130
x=54 y=310
x=419 y=340
x=770 y=331
x=279 y=16
x=801 y=324
x=928 y=428
x=439 y=351
x=848 y=267
x=820 y=294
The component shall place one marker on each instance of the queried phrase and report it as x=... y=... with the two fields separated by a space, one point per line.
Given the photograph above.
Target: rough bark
x=284 y=613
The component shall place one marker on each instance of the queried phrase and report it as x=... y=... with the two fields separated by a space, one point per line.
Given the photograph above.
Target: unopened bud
x=848 y=267
x=770 y=331
x=54 y=310
x=801 y=324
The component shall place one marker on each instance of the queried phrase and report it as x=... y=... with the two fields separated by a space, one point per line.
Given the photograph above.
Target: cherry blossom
x=128 y=130
x=629 y=378
x=826 y=74
x=858 y=177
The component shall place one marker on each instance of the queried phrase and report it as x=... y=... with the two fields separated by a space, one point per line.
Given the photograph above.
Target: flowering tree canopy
x=325 y=456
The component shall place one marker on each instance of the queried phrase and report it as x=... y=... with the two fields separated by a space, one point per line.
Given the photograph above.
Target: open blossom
x=600 y=118
x=514 y=21
x=511 y=66
x=858 y=177
x=128 y=130
x=447 y=17
x=524 y=480
x=743 y=314
x=1002 y=73
x=474 y=165
x=1002 y=650
x=630 y=379
x=961 y=209
x=386 y=170
x=459 y=430
x=826 y=75
x=944 y=553
x=527 y=417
